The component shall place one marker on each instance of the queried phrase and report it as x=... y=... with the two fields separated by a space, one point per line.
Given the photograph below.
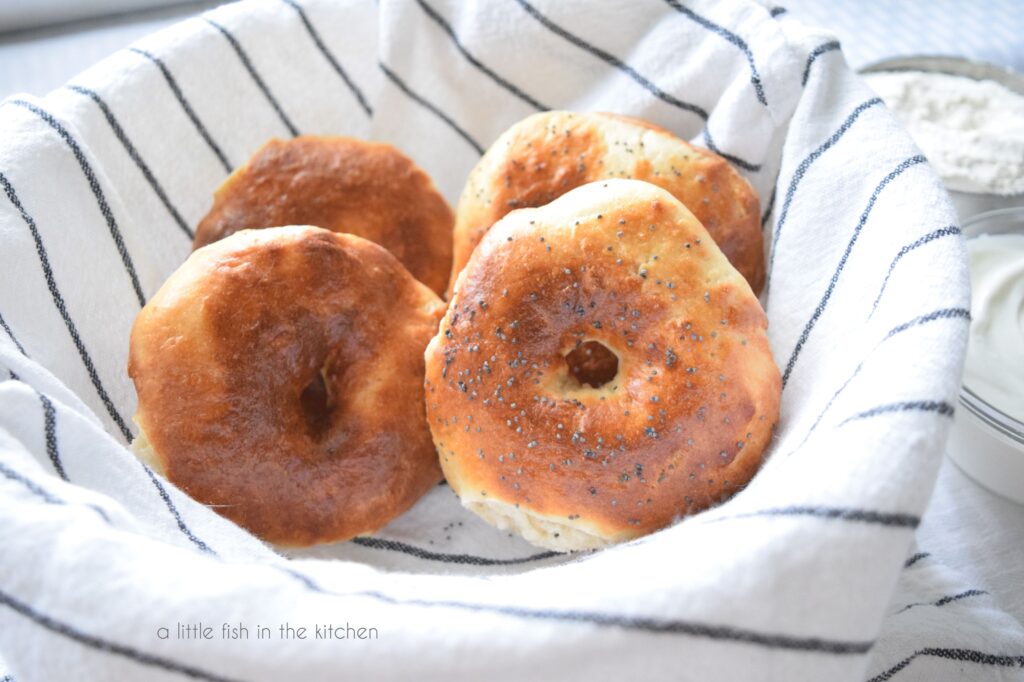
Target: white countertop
x=37 y=59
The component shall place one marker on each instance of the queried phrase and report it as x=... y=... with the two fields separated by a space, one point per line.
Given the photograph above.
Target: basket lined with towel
x=807 y=573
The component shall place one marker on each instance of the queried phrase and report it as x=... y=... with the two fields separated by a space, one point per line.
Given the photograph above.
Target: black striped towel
x=794 y=579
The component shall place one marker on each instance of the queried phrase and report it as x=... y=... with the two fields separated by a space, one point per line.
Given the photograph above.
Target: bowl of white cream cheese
x=987 y=439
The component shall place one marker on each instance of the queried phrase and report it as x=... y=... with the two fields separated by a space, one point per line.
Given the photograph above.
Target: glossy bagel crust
x=545 y=155
x=683 y=423
x=341 y=184
x=278 y=372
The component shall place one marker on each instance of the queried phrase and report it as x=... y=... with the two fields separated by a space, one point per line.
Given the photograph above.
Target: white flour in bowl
x=971 y=131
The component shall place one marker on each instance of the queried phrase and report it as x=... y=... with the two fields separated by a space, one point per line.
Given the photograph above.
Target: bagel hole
x=316 y=403
x=592 y=363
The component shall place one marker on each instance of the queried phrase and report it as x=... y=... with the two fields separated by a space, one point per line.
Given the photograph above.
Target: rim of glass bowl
x=951 y=65
x=990 y=415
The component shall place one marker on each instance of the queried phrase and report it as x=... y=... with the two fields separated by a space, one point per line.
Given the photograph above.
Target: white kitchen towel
x=109 y=572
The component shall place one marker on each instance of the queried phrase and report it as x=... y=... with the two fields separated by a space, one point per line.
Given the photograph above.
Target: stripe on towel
x=58 y=302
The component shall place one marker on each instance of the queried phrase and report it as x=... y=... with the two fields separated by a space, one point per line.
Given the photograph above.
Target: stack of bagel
x=599 y=368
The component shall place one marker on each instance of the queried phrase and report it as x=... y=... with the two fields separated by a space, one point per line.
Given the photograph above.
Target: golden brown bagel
x=546 y=155
x=277 y=372
x=341 y=184
x=623 y=270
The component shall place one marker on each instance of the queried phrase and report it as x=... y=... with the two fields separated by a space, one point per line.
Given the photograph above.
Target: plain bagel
x=342 y=184
x=279 y=375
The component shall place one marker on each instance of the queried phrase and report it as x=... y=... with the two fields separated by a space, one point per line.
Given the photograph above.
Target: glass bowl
x=985 y=442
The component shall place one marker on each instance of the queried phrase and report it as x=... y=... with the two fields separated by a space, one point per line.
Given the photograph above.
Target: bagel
x=601 y=370
x=545 y=155
x=278 y=373
x=341 y=184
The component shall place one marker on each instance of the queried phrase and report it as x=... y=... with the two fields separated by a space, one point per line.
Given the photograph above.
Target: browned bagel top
x=547 y=154
x=687 y=414
x=279 y=374
x=341 y=184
